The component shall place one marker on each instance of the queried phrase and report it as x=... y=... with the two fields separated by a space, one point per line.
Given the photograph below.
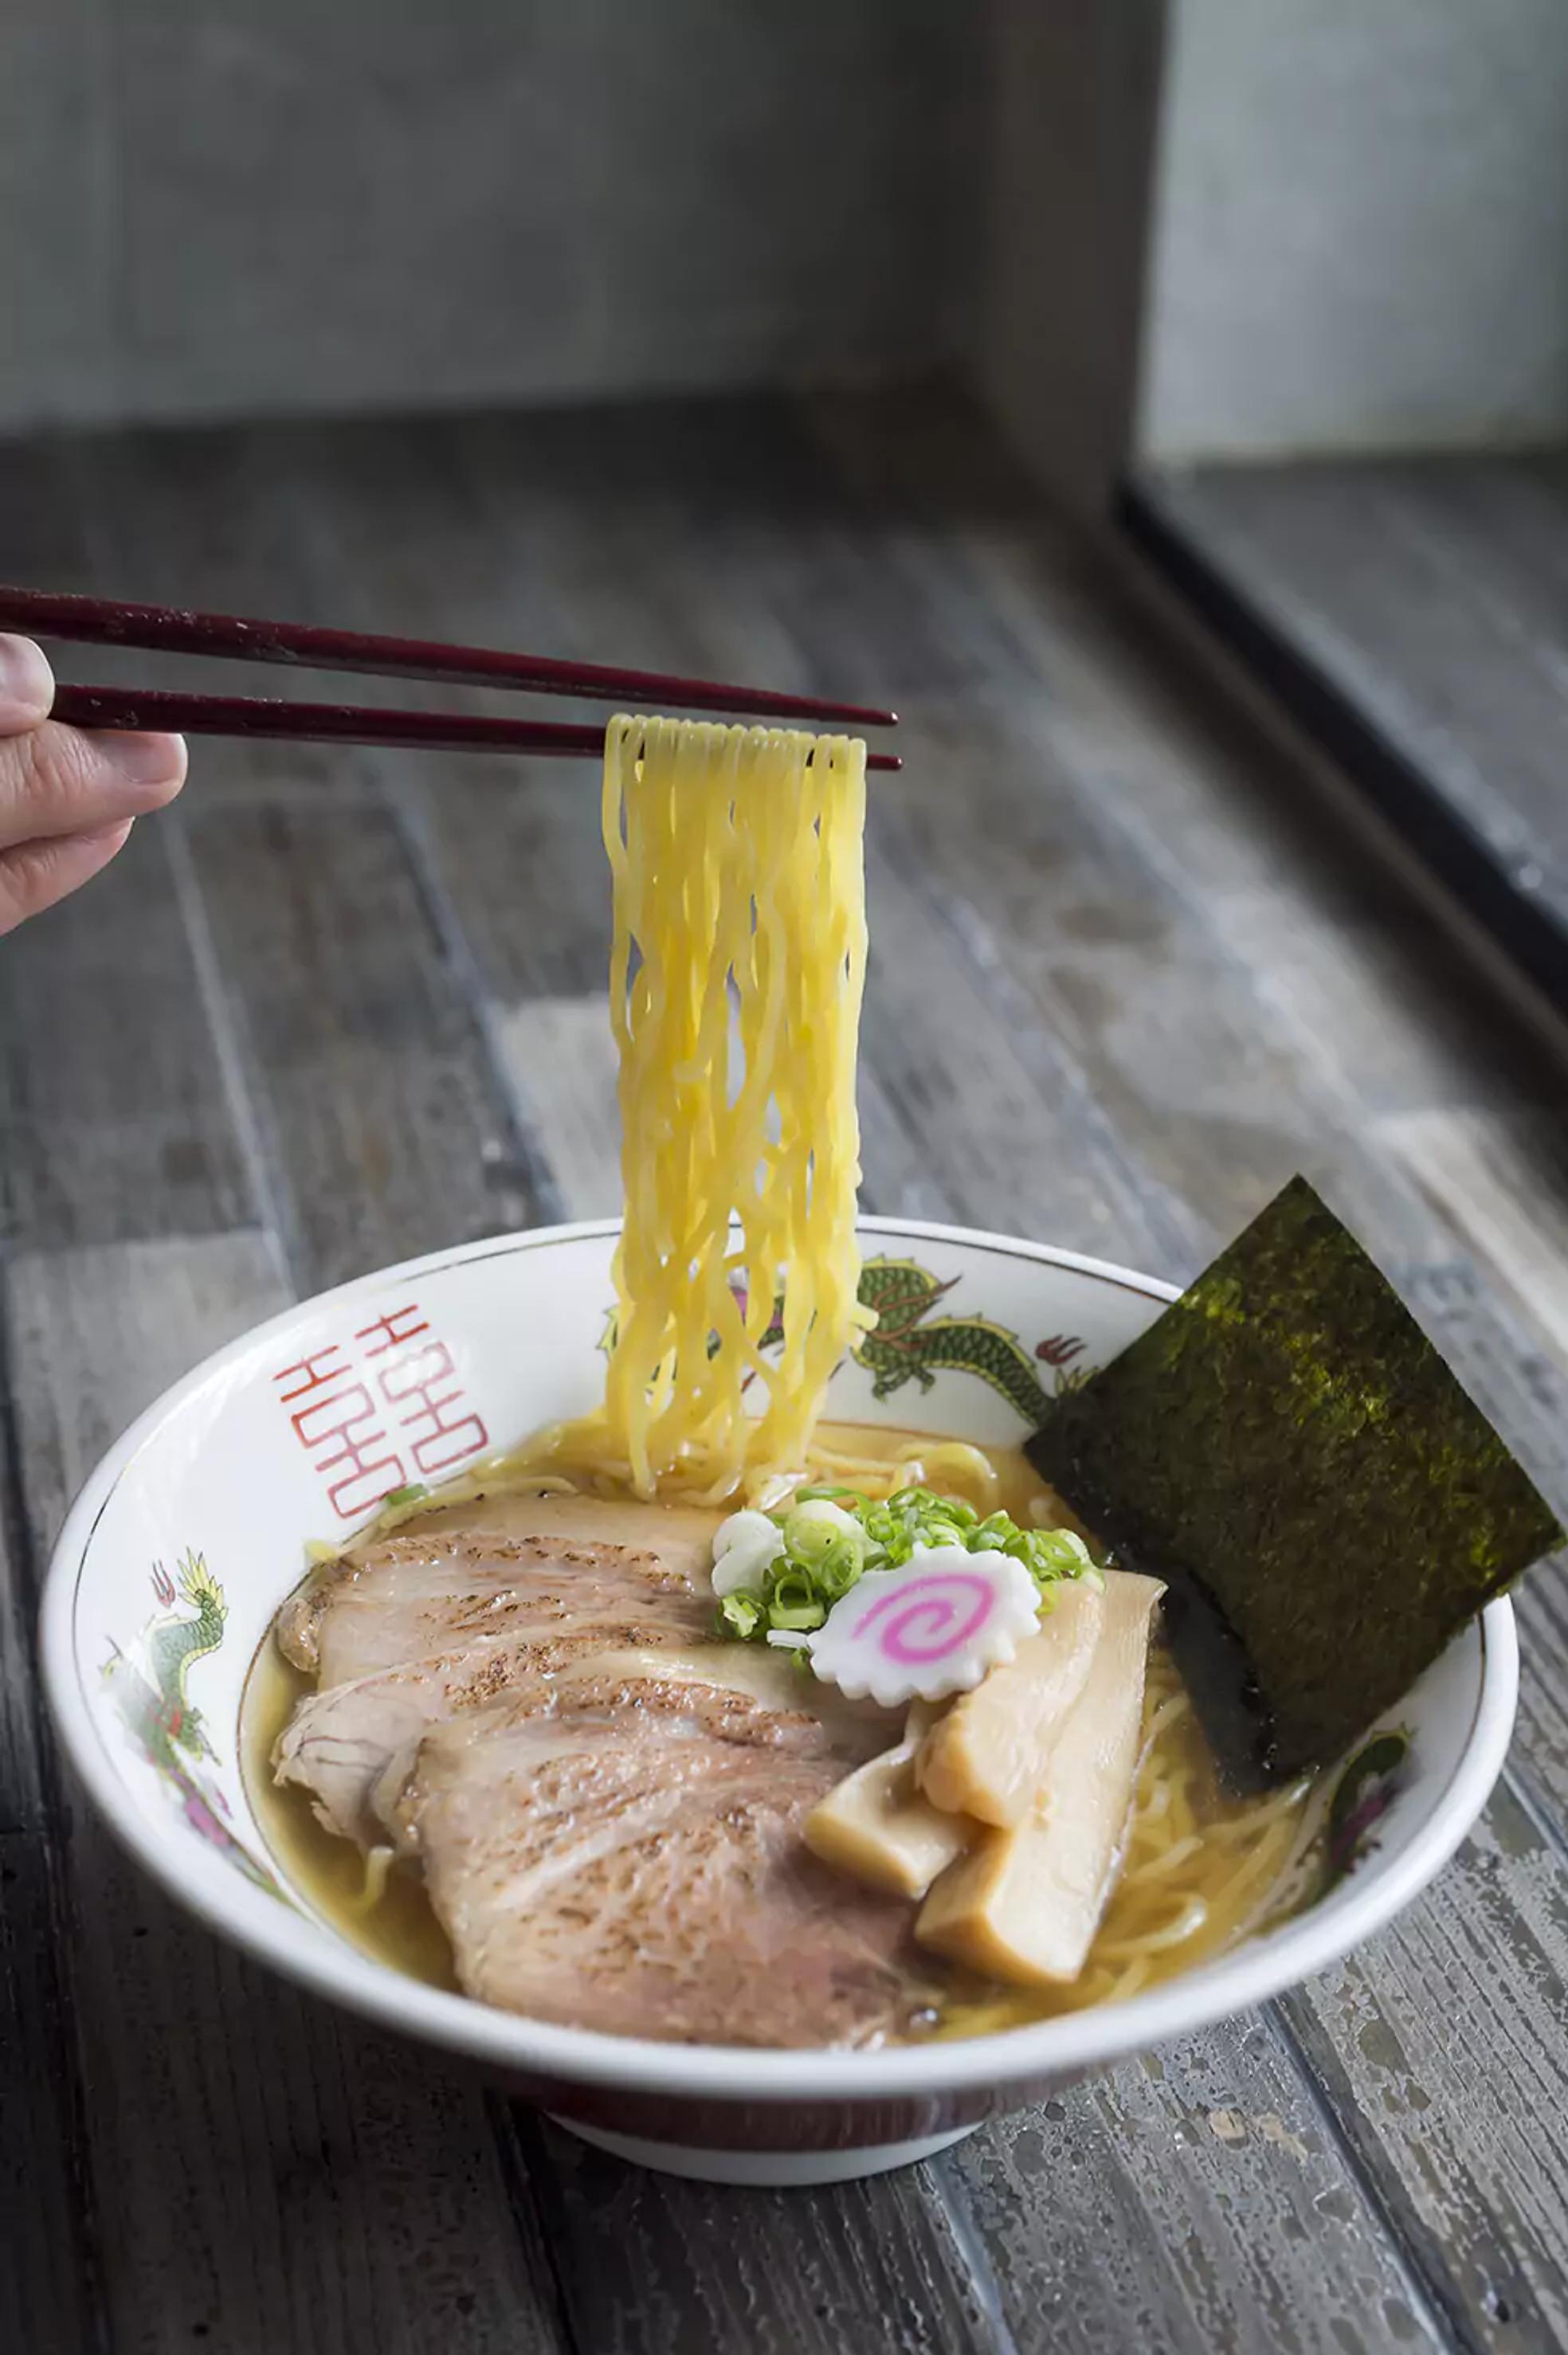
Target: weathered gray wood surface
x=1127 y=975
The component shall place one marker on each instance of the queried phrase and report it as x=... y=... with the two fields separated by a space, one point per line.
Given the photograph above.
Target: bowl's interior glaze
x=195 y=1527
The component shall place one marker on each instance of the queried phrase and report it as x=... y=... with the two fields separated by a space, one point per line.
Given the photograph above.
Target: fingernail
x=144 y=759
x=26 y=683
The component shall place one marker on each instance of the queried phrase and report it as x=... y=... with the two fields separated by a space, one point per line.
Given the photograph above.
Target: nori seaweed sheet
x=1287 y=1450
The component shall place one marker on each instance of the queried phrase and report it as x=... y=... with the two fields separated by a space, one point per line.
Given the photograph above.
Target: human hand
x=67 y=796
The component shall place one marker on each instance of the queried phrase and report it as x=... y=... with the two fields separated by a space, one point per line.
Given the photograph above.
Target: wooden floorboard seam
x=1519 y=1782
x=405 y=806
x=1435 y=2298
x=958 y=2213
x=270 y=1194
x=69 y=2078
x=513 y=2125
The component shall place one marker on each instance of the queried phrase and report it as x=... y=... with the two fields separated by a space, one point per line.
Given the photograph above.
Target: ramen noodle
x=736 y=972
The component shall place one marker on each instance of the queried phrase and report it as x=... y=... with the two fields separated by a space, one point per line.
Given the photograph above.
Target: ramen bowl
x=193 y=1529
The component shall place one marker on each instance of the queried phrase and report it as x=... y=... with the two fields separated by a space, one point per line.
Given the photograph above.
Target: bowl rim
x=511 y=2041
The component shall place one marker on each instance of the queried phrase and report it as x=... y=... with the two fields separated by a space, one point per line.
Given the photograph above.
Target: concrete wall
x=1071 y=97
x=1362 y=227
x=208 y=206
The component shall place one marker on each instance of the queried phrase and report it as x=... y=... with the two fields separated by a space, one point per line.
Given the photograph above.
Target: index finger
x=27 y=685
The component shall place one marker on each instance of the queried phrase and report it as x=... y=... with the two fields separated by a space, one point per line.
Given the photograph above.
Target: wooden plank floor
x=1127 y=976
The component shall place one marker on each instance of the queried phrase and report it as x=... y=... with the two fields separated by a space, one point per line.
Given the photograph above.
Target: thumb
x=27 y=685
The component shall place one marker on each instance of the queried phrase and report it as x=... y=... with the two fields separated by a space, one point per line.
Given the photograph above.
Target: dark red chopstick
x=95 y=621
x=334 y=723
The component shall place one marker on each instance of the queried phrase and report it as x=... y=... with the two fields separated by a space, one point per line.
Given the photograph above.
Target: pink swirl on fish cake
x=934 y=1626
x=929 y=1604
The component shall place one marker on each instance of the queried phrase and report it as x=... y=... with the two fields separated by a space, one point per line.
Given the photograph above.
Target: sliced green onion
x=801 y=1617
x=792 y=1600
x=741 y=1614
x=830 y=1536
x=819 y=1529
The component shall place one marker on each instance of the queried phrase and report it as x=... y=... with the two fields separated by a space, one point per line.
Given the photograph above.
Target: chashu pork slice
x=625 y=1854
x=421 y=1626
x=505 y=1565
x=682 y=1535
x=339 y=1742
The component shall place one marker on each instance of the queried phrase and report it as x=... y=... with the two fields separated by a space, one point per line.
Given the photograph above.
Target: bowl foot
x=781 y=2169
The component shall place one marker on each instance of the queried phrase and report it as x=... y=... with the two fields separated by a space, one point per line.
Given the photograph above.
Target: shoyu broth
x=1199 y=1864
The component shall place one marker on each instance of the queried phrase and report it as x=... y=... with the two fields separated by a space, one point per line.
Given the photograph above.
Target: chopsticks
x=174 y=630
x=336 y=723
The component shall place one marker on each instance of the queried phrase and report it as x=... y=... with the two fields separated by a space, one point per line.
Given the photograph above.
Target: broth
x=1201 y=1864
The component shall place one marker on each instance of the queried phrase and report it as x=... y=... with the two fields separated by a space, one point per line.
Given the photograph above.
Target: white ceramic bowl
x=191 y=1530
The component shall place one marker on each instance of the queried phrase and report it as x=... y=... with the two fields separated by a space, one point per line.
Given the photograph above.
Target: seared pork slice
x=339 y=1740
x=433 y=1621
x=680 y=1535
x=411 y=1596
x=630 y=1859
x=856 y=1732
x=341 y=1744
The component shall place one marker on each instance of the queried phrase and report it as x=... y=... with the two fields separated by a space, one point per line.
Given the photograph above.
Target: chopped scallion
x=828 y=1537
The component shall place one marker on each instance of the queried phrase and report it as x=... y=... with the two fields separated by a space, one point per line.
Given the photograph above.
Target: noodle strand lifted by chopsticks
x=736 y=974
